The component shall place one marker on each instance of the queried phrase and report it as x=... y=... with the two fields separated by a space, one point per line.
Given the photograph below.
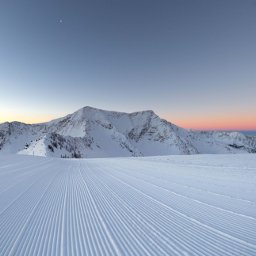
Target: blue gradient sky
x=193 y=62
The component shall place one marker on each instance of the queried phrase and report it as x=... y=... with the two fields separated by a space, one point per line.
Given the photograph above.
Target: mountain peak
x=89 y=108
x=93 y=109
x=93 y=132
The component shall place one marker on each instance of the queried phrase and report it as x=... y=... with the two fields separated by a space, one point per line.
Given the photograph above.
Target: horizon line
x=45 y=120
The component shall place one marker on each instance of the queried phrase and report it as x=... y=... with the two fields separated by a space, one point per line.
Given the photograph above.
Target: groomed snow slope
x=172 y=205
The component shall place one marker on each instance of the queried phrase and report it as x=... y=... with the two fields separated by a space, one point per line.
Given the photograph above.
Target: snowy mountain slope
x=91 y=132
x=200 y=205
x=222 y=142
x=15 y=135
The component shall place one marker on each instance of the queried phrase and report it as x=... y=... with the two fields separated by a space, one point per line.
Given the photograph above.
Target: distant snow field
x=168 y=205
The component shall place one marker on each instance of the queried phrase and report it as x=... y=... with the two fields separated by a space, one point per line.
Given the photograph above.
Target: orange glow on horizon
x=224 y=122
x=216 y=122
x=29 y=119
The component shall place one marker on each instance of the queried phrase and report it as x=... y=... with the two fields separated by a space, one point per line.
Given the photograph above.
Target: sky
x=191 y=61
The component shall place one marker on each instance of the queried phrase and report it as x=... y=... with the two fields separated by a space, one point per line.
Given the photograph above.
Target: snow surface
x=169 y=205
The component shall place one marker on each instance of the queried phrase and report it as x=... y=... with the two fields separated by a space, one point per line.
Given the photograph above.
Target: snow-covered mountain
x=91 y=132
